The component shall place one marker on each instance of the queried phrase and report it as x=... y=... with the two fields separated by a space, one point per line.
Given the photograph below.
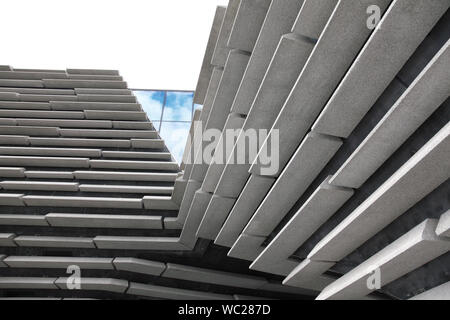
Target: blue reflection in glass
x=175 y=136
x=178 y=106
x=152 y=102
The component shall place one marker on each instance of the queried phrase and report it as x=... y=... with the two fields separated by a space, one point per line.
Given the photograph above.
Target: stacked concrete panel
x=332 y=89
x=358 y=114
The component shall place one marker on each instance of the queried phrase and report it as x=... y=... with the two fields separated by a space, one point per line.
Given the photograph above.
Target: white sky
x=156 y=44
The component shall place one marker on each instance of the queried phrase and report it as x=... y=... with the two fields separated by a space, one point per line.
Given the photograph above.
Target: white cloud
x=156 y=44
x=175 y=136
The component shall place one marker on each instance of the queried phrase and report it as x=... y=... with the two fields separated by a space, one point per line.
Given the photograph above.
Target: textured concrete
x=190 y=139
x=443 y=227
x=42 y=114
x=182 y=272
x=147 y=143
x=130 y=125
x=197 y=209
x=106 y=97
x=79 y=142
x=27 y=283
x=134 y=165
x=29 y=131
x=59 y=262
x=207 y=68
x=247 y=24
x=65 y=123
x=139 y=266
x=98 y=284
x=216 y=76
x=12 y=172
x=247 y=247
x=313 y=17
x=309 y=274
x=221 y=155
x=7 y=240
x=325 y=68
x=23 y=220
x=425 y=171
x=221 y=50
x=87 y=202
x=137 y=155
x=441 y=292
x=179 y=189
x=115 y=115
x=159 y=203
x=49 y=174
x=125 y=189
x=418 y=102
x=71 y=84
x=232 y=74
x=57 y=152
x=279 y=19
x=14 y=140
x=11 y=199
x=310 y=158
x=319 y=207
x=45 y=161
x=2 y=264
x=191 y=188
x=90 y=133
x=401 y=31
x=254 y=192
x=412 y=250
x=138 y=243
x=81 y=106
x=127 y=176
x=39 y=185
x=84 y=220
x=214 y=217
x=173 y=293
x=54 y=242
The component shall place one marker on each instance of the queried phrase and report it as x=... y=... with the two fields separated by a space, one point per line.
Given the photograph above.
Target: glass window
x=171 y=114
x=175 y=135
x=152 y=102
x=178 y=106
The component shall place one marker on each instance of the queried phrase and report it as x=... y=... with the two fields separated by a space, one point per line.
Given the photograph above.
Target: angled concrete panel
x=443 y=227
x=207 y=67
x=309 y=274
x=310 y=158
x=59 y=262
x=139 y=266
x=188 y=273
x=197 y=209
x=247 y=247
x=319 y=207
x=88 y=202
x=54 y=242
x=139 y=243
x=160 y=292
x=84 y=220
x=247 y=24
x=441 y=292
x=279 y=19
x=27 y=283
x=325 y=68
x=400 y=32
x=221 y=49
x=412 y=250
x=254 y=192
x=420 y=175
x=418 y=102
x=215 y=215
x=23 y=220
